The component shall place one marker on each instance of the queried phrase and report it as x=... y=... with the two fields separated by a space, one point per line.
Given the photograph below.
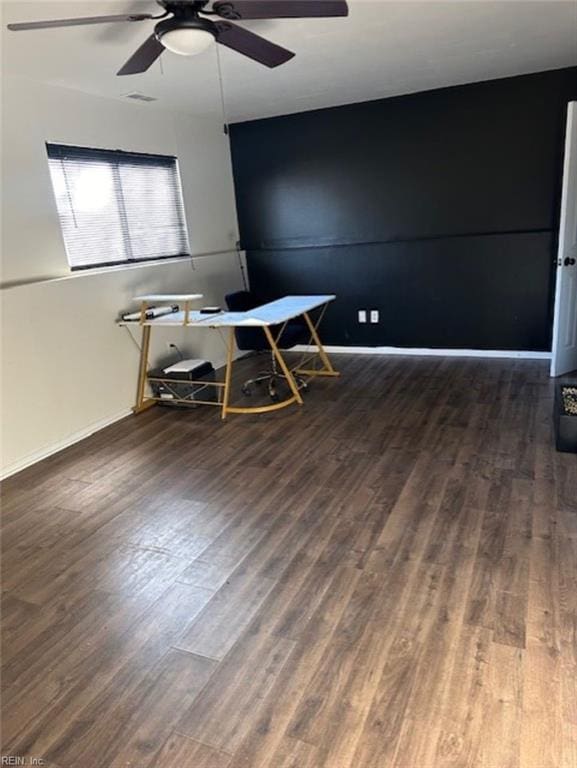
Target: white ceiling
x=382 y=49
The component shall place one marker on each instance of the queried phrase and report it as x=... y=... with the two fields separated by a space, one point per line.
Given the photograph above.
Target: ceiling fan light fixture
x=187 y=37
x=187 y=42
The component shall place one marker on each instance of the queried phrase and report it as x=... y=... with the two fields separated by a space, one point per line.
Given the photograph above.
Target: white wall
x=67 y=369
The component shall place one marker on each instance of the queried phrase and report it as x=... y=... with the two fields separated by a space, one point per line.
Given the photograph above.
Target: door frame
x=569 y=188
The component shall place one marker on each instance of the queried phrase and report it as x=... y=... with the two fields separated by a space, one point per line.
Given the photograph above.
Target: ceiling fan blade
x=251 y=45
x=279 y=9
x=22 y=26
x=143 y=58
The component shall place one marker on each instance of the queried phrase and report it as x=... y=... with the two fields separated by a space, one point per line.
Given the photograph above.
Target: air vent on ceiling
x=140 y=97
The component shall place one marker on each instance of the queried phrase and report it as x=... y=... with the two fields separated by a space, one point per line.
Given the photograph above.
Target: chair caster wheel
x=246 y=390
x=274 y=397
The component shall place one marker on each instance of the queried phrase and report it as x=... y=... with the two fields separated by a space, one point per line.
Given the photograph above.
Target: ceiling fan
x=183 y=28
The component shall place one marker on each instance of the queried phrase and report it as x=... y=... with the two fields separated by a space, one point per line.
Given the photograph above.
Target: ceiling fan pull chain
x=221 y=89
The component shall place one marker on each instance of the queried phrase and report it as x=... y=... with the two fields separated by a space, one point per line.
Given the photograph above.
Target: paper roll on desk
x=151 y=313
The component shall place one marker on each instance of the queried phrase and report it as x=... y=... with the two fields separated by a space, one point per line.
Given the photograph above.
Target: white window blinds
x=117 y=207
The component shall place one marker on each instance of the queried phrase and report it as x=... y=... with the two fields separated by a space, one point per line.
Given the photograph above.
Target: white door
x=564 y=350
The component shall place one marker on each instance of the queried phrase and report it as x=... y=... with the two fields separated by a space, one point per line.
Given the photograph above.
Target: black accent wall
x=440 y=209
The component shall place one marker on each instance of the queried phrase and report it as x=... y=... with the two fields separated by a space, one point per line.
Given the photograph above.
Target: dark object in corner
x=566 y=417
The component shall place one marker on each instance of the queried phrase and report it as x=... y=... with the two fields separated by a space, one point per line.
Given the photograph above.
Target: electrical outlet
x=362 y=315
x=374 y=315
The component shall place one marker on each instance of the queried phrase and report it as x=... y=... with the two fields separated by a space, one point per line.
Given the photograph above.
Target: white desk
x=276 y=313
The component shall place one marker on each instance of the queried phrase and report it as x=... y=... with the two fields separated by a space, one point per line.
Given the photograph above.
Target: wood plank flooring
x=385 y=578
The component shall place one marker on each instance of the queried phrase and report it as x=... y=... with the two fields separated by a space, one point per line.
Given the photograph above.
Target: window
x=117 y=207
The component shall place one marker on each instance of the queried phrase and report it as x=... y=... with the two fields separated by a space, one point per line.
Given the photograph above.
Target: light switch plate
x=374 y=315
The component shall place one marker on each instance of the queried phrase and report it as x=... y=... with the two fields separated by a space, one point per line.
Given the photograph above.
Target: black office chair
x=253 y=339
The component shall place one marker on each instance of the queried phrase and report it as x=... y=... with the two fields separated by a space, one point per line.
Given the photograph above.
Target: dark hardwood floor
x=385 y=578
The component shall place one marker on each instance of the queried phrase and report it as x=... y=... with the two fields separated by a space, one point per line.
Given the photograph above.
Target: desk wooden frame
x=305 y=367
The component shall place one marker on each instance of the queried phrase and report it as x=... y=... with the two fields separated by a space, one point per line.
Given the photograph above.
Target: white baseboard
x=414 y=351
x=47 y=451
x=44 y=453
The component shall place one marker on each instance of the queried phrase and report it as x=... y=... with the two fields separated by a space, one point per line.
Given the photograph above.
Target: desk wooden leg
x=144 y=349
x=284 y=368
x=328 y=368
x=228 y=373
